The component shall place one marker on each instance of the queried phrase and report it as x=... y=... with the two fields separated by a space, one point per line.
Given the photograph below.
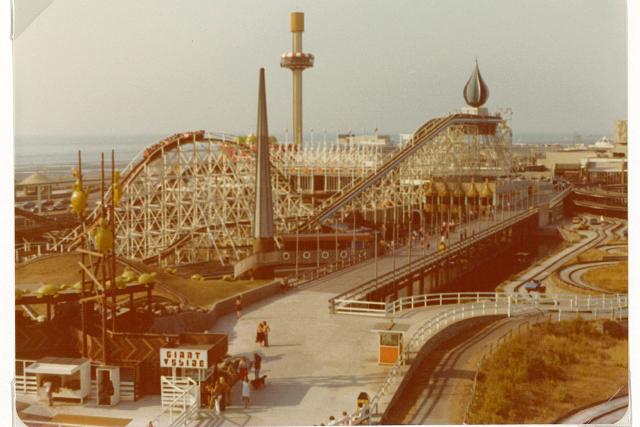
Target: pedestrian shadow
x=208 y=418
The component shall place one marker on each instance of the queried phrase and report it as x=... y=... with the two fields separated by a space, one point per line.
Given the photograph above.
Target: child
x=246 y=392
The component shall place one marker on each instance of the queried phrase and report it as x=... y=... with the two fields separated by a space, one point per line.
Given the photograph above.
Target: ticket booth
x=183 y=366
x=108 y=385
x=67 y=378
x=390 y=341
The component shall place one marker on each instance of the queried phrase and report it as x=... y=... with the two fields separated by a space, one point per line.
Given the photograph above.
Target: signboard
x=183 y=358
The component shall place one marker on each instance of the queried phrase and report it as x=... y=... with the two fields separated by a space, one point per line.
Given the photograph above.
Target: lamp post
x=297 y=244
x=375 y=254
x=317 y=248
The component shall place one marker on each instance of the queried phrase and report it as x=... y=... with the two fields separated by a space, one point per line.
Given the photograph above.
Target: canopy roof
x=56 y=366
x=36 y=178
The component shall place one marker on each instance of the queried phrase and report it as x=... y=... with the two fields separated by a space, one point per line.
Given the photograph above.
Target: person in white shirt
x=246 y=392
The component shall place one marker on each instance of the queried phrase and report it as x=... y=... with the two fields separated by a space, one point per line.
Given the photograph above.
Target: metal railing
x=558 y=301
x=424 y=262
x=605 y=306
x=184 y=401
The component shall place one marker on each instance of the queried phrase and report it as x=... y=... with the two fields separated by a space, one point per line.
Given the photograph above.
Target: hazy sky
x=123 y=67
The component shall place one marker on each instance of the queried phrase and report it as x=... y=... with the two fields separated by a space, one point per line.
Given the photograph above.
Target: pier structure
x=191 y=197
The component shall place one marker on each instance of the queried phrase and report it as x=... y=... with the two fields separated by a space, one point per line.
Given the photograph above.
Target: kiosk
x=391 y=337
x=189 y=365
x=69 y=378
x=108 y=385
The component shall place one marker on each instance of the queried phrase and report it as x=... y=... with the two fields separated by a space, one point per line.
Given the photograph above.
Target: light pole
x=375 y=254
x=317 y=248
x=297 y=244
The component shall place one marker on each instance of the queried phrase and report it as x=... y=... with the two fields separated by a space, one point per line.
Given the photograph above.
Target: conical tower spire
x=476 y=91
x=263 y=219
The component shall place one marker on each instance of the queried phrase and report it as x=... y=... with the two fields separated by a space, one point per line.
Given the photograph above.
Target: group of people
x=217 y=390
x=262 y=334
x=361 y=416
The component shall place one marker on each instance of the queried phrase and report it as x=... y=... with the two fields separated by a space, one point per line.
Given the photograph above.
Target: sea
x=55 y=156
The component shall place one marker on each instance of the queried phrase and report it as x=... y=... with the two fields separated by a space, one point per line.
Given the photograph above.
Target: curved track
x=604 y=235
x=608 y=412
x=572 y=275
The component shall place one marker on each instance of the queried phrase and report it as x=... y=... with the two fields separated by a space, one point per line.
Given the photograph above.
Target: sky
x=159 y=67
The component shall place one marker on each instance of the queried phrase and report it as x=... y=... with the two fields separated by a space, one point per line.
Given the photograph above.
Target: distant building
x=349 y=138
x=620 y=139
x=32 y=182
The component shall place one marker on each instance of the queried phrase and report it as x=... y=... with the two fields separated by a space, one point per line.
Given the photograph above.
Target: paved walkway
x=317 y=363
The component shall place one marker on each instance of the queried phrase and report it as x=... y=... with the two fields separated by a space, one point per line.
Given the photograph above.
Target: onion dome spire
x=476 y=91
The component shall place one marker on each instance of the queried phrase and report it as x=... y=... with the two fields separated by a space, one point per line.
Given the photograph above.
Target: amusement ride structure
x=191 y=197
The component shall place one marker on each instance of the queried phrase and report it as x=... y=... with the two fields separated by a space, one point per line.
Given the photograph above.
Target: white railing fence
x=609 y=306
x=180 y=398
x=402 y=304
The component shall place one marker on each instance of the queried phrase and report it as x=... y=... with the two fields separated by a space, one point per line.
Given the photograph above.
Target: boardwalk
x=317 y=362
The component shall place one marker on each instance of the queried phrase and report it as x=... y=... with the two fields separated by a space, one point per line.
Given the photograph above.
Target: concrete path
x=317 y=363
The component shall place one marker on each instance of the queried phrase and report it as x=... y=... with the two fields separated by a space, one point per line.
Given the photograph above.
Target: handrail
x=463 y=311
x=431 y=258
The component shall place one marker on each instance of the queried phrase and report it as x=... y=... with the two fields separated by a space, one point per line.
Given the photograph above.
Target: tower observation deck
x=297 y=61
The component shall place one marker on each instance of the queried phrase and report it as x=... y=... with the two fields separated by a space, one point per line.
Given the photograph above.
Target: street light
x=297 y=243
x=375 y=254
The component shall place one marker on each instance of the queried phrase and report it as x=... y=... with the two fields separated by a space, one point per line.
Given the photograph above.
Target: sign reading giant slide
x=183 y=358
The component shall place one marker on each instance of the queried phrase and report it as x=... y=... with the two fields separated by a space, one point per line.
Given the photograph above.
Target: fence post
x=440 y=298
x=509 y=306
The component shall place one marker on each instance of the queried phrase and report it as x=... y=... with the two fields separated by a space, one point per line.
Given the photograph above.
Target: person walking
x=48 y=390
x=265 y=333
x=217 y=395
x=259 y=335
x=257 y=364
x=239 y=306
x=224 y=393
x=246 y=393
x=243 y=369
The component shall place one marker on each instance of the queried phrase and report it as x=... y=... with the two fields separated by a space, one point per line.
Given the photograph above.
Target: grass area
x=57 y=270
x=208 y=292
x=611 y=277
x=589 y=255
x=555 y=279
x=539 y=376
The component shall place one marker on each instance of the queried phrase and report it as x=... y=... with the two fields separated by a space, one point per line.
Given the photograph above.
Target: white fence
x=560 y=302
x=180 y=397
x=611 y=306
x=26 y=383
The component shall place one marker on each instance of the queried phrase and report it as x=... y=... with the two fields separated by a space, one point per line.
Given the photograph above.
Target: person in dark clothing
x=257 y=364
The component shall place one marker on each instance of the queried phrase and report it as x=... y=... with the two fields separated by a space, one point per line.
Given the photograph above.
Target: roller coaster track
x=136 y=167
x=421 y=137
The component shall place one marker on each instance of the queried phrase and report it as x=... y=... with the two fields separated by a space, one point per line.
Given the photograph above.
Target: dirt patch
x=610 y=277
